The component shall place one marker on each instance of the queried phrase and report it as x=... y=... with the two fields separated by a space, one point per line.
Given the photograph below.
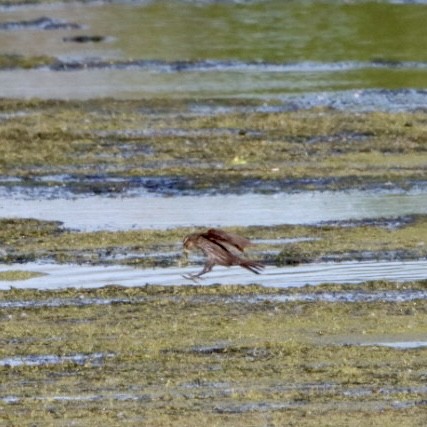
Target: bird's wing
x=222 y=237
x=215 y=252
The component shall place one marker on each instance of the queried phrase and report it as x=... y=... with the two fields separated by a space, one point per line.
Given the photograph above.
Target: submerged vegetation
x=18 y=275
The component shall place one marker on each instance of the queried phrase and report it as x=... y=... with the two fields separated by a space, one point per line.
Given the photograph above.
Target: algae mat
x=176 y=355
x=237 y=149
x=186 y=356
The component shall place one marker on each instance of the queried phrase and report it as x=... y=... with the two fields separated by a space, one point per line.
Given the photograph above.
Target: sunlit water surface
x=124 y=213
x=86 y=276
x=268 y=48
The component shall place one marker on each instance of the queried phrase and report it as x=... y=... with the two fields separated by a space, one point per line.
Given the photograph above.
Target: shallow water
x=269 y=30
x=60 y=276
x=401 y=345
x=52 y=359
x=255 y=49
x=350 y=296
x=217 y=394
x=292 y=91
x=144 y=211
x=342 y=297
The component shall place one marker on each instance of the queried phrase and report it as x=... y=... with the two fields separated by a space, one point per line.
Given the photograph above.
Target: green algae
x=9 y=61
x=11 y=275
x=30 y=239
x=165 y=138
x=179 y=361
x=176 y=359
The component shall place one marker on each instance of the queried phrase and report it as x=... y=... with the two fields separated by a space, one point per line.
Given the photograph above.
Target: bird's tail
x=254 y=266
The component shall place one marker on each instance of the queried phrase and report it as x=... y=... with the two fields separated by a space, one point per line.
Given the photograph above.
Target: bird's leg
x=192 y=277
x=208 y=267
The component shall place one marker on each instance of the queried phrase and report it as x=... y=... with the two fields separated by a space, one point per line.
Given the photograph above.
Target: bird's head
x=188 y=243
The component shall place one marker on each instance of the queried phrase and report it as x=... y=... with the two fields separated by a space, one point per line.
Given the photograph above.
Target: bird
x=220 y=248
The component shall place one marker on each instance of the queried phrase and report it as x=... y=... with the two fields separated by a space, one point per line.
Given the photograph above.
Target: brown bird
x=218 y=246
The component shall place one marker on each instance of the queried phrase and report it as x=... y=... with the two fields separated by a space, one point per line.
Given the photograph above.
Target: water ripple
x=236 y=66
x=61 y=276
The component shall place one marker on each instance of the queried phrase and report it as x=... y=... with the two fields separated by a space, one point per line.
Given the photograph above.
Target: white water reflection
x=53 y=359
x=59 y=276
x=123 y=213
x=401 y=345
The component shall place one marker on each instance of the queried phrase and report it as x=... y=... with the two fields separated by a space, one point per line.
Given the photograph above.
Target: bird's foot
x=193 y=277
